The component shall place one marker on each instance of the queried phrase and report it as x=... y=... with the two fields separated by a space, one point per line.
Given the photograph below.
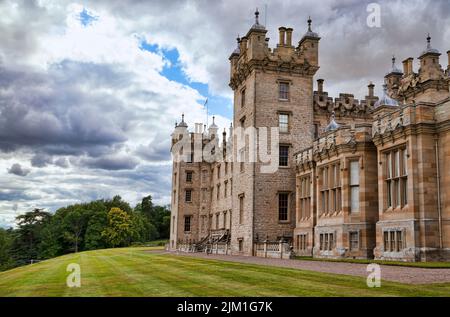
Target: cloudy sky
x=90 y=90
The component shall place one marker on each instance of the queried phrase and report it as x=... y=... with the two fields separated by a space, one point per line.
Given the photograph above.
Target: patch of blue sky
x=87 y=17
x=217 y=105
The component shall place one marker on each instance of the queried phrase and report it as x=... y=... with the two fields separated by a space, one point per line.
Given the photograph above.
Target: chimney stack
x=282 y=35
x=408 y=66
x=289 y=36
x=320 y=85
x=448 y=65
x=371 y=89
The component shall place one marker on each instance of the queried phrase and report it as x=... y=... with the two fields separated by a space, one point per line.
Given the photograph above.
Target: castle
x=354 y=179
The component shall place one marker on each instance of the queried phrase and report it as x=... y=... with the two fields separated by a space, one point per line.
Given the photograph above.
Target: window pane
x=284 y=156
x=283 y=207
x=388 y=166
x=284 y=91
x=283 y=122
x=354 y=173
x=405 y=163
x=354 y=199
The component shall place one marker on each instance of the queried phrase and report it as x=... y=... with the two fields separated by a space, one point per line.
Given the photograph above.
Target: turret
x=180 y=130
x=213 y=129
x=256 y=37
x=393 y=78
x=429 y=63
x=309 y=44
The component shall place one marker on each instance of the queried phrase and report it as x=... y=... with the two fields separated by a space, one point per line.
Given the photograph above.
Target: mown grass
x=425 y=265
x=133 y=272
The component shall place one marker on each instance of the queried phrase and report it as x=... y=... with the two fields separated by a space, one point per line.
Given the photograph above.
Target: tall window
x=217 y=221
x=396 y=178
x=218 y=192
x=330 y=192
x=243 y=98
x=354 y=240
x=173 y=224
x=283 y=89
x=305 y=197
x=188 y=197
x=302 y=242
x=225 y=189
x=187 y=223
x=189 y=177
x=326 y=241
x=218 y=171
x=393 y=240
x=283 y=122
x=354 y=186
x=241 y=209
x=284 y=155
x=283 y=206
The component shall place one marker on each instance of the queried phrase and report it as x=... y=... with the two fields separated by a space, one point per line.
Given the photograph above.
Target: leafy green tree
x=6 y=260
x=96 y=225
x=28 y=235
x=51 y=239
x=119 y=230
x=143 y=229
x=74 y=224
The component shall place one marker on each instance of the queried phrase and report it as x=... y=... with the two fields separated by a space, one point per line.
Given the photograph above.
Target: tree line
x=99 y=224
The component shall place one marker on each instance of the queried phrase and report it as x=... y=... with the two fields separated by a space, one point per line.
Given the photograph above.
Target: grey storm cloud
x=49 y=111
x=41 y=160
x=17 y=169
x=109 y=162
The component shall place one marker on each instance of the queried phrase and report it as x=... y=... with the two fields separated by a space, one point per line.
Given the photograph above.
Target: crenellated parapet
x=253 y=53
x=346 y=105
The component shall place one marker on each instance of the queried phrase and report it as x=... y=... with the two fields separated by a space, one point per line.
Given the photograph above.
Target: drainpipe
x=438 y=180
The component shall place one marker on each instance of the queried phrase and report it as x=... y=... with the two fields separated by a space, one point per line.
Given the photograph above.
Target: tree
x=28 y=235
x=6 y=261
x=93 y=237
x=74 y=224
x=119 y=230
x=143 y=229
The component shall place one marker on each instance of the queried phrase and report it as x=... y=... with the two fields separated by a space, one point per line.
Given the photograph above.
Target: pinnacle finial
x=309 y=24
x=429 y=40
x=182 y=117
x=214 y=119
x=393 y=61
x=176 y=124
x=257 y=16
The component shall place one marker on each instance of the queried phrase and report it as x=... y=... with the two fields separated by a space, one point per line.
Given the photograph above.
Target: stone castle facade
x=355 y=178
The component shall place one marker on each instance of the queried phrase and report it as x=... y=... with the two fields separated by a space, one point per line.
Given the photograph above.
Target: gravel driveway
x=409 y=275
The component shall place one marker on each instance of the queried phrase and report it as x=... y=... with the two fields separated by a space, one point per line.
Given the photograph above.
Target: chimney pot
x=320 y=85
x=282 y=35
x=371 y=89
x=289 y=36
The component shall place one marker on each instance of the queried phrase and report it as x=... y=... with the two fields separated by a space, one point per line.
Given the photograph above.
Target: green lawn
x=132 y=272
